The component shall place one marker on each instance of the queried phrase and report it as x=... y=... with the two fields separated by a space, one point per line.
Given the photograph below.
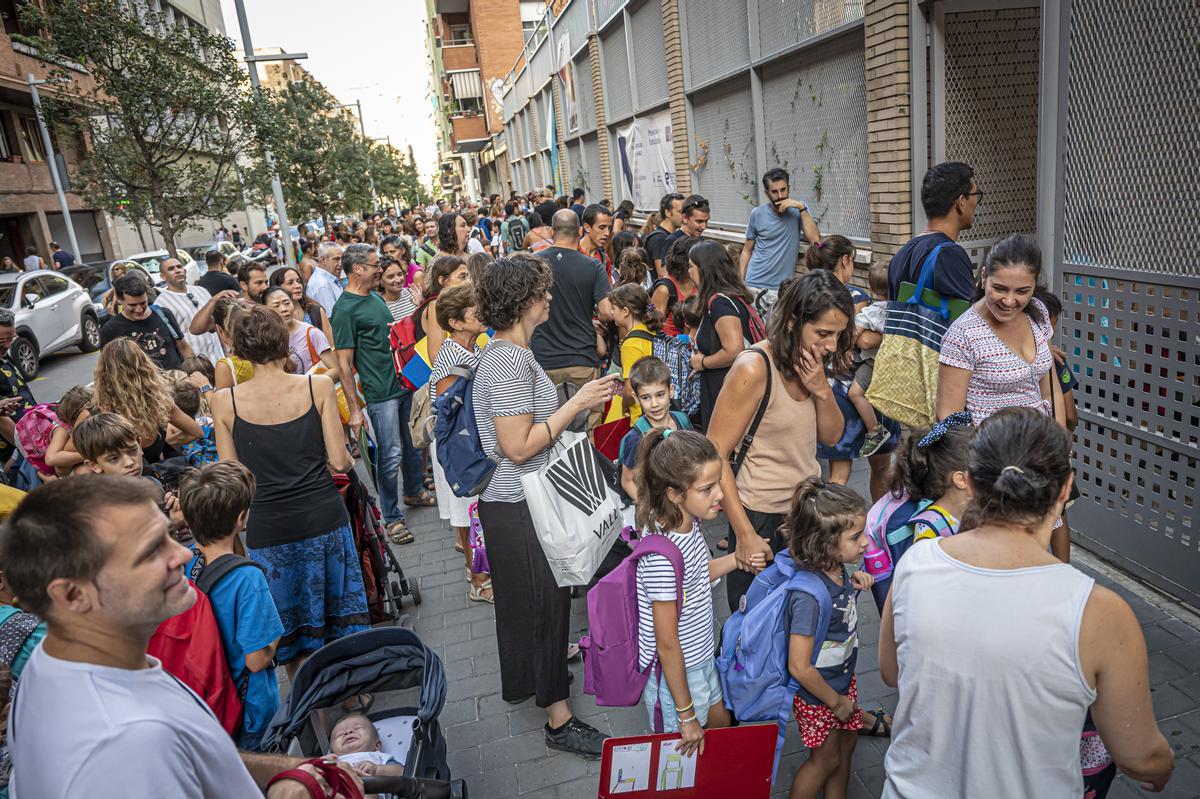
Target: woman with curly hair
x=444 y=272
x=128 y=383
x=810 y=327
x=285 y=428
x=517 y=413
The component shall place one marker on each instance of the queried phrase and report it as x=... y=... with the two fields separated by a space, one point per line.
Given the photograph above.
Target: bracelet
x=549 y=434
x=702 y=357
x=685 y=709
x=689 y=719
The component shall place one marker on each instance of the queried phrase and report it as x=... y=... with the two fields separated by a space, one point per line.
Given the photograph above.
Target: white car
x=151 y=264
x=52 y=313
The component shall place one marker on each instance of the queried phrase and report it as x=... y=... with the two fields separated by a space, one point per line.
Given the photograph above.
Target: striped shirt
x=402 y=307
x=450 y=355
x=656 y=583
x=999 y=377
x=509 y=382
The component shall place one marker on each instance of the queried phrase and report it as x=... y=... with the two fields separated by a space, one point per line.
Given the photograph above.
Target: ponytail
x=633 y=298
x=668 y=459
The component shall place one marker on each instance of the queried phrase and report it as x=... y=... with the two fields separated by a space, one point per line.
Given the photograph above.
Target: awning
x=466 y=83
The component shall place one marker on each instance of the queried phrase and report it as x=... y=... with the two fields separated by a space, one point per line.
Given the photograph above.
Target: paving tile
x=549 y=772
x=463 y=763
x=577 y=789
x=499 y=782
x=476 y=733
x=1170 y=701
x=1187 y=655
x=1159 y=638
x=1163 y=668
x=459 y=711
x=518 y=749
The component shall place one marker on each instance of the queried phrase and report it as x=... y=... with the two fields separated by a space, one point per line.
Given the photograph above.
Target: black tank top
x=295 y=497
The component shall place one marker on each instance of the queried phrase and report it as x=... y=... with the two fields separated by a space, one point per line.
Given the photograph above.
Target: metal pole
x=276 y=187
x=53 y=164
x=363 y=129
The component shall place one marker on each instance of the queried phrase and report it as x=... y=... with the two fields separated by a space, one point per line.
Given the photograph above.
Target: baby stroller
x=384 y=580
x=392 y=664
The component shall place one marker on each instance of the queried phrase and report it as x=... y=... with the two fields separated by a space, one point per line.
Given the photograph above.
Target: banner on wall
x=646 y=162
x=566 y=83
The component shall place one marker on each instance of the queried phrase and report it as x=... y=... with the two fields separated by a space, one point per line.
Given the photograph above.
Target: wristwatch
x=206 y=388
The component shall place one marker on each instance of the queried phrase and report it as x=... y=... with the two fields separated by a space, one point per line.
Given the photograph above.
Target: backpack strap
x=642 y=425
x=14 y=632
x=681 y=419
x=748 y=439
x=928 y=267
x=936 y=518
x=643 y=335
x=655 y=544
x=214 y=572
x=169 y=321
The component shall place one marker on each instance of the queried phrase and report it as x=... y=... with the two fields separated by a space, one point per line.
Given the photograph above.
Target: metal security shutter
x=783 y=24
x=542 y=64
x=991 y=100
x=724 y=117
x=616 y=73
x=606 y=8
x=574 y=23
x=575 y=159
x=718 y=38
x=815 y=108
x=538 y=109
x=591 y=154
x=1130 y=280
x=584 y=93
x=648 y=54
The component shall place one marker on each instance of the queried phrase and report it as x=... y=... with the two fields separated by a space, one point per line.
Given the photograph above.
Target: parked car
x=96 y=280
x=52 y=313
x=198 y=251
x=151 y=264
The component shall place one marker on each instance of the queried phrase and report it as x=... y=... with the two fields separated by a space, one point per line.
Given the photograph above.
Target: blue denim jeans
x=395 y=453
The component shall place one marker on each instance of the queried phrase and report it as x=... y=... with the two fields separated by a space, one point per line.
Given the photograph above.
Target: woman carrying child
x=824 y=531
x=1051 y=642
x=678 y=487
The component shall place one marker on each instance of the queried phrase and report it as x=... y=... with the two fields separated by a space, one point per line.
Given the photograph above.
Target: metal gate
x=1127 y=260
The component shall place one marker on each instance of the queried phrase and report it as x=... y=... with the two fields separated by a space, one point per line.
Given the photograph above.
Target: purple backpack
x=610 y=650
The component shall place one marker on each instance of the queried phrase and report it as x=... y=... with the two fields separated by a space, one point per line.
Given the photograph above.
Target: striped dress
x=656 y=583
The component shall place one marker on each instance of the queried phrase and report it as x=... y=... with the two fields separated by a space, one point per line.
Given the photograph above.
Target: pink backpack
x=610 y=649
x=34 y=429
x=877 y=560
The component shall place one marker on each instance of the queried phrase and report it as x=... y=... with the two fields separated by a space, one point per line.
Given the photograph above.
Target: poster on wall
x=646 y=163
x=566 y=83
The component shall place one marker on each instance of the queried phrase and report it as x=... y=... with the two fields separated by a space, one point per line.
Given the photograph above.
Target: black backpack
x=214 y=572
x=517 y=230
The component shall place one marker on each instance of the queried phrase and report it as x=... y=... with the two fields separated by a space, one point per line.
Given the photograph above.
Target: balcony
x=469 y=133
x=459 y=56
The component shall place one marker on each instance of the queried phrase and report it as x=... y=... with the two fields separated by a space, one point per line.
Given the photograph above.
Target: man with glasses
x=773 y=239
x=153 y=329
x=950 y=197
x=185 y=302
x=693 y=220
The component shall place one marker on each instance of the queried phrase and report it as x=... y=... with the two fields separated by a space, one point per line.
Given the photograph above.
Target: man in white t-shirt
x=185 y=302
x=93 y=714
x=323 y=285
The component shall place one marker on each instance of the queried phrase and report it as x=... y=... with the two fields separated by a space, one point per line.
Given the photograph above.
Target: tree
x=320 y=156
x=167 y=111
x=396 y=180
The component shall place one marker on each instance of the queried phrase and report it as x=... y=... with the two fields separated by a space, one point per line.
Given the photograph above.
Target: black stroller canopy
x=381 y=659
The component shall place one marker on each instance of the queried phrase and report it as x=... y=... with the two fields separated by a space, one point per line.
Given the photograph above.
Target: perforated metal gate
x=1129 y=268
x=985 y=70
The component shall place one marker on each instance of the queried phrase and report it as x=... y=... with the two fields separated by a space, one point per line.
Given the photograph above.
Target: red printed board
x=737 y=761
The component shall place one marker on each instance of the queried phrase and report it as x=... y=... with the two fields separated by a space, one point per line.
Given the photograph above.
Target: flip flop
x=398 y=533
x=882 y=728
x=723 y=544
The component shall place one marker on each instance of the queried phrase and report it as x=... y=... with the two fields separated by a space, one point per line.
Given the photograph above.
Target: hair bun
x=1018 y=485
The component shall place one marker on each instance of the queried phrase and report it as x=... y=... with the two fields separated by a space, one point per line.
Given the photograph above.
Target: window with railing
x=460 y=35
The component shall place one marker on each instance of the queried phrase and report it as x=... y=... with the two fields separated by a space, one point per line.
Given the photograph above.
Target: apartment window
x=528 y=26
x=460 y=34
x=9 y=13
x=31 y=140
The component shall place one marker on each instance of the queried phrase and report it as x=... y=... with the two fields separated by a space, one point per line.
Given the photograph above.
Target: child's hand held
x=691 y=737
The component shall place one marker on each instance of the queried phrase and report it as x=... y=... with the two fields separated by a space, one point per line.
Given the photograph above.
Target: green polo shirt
x=364 y=325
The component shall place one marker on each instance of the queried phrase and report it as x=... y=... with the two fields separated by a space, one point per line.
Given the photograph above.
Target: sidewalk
x=500 y=751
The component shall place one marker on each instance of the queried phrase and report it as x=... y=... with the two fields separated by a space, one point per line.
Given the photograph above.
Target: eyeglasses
x=975 y=193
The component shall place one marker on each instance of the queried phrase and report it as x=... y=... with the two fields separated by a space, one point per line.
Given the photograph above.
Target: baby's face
x=353 y=734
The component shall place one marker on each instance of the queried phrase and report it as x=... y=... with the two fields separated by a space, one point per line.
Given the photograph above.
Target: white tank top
x=992 y=698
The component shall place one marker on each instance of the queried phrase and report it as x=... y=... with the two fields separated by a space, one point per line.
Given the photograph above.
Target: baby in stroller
x=355 y=741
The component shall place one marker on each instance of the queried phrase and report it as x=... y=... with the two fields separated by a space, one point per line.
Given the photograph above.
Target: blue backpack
x=677 y=355
x=753 y=663
x=460 y=452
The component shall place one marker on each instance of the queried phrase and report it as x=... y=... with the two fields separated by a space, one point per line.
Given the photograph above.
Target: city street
x=62 y=370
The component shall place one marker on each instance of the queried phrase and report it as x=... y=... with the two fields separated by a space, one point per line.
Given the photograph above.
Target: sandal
x=458 y=547
x=476 y=592
x=882 y=728
x=429 y=484
x=423 y=500
x=723 y=544
x=398 y=533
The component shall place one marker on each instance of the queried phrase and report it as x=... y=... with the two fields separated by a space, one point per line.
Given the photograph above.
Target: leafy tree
x=167 y=111
x=396 y=179
x=319 y=154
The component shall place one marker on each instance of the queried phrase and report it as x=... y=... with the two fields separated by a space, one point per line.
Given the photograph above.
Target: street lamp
x=51 y=161
x=276 y=187
x=363 y=129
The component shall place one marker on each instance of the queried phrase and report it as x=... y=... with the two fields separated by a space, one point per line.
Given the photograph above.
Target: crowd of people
x=220 y=411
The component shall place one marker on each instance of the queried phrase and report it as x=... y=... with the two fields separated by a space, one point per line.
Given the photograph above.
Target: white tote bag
x=575 y=513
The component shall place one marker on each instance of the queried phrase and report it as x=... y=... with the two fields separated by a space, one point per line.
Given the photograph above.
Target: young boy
x=215 y=500
x=187 y=399
x=651 y=382
x=108 y=444
x=869 y=323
